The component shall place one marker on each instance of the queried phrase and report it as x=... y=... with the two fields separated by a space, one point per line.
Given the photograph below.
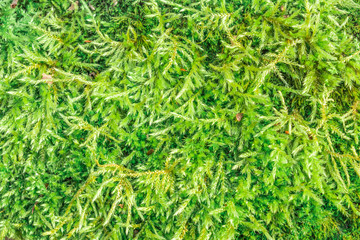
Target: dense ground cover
x=179 y=119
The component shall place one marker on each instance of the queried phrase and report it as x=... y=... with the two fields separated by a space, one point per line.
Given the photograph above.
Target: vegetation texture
x=179 y=119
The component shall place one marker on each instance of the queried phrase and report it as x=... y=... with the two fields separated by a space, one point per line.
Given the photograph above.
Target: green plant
x=159 y=119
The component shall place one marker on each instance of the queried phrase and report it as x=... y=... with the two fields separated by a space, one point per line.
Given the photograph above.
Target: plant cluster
x=179 y=119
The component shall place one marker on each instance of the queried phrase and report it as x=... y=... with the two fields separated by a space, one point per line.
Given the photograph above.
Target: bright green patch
x=179 y=119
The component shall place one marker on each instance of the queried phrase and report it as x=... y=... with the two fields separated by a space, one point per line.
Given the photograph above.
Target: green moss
x=132 y=132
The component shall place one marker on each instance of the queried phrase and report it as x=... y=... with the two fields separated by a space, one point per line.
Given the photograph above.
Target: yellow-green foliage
x=179 y=119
